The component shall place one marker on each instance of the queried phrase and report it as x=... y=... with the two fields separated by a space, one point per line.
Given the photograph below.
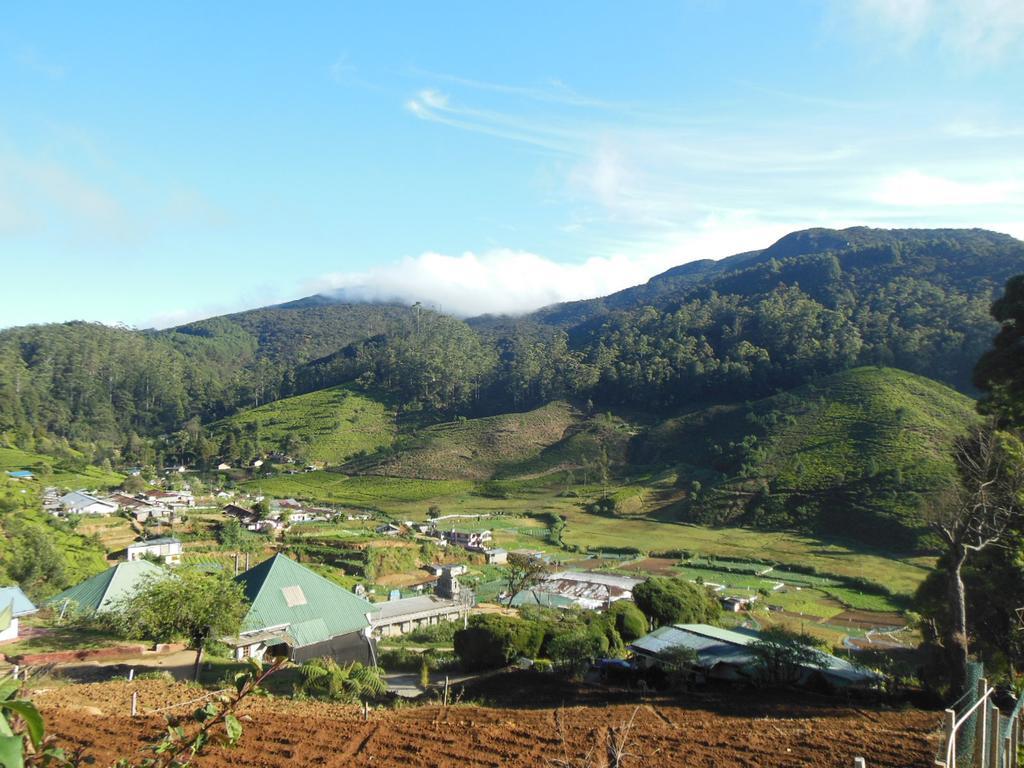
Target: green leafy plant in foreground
x=25 y=743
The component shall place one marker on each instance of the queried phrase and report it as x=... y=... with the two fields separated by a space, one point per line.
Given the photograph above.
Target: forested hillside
x=811 y=305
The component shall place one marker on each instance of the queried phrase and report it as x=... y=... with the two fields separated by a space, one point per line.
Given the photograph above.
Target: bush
x=493 y=640
x=629 y=620
x=577 y=647
x=674 y=601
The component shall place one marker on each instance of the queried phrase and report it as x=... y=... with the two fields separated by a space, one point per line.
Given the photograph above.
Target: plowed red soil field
x=714 y=731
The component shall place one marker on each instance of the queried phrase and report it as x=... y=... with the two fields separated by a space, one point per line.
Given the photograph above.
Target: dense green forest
x=813 y=304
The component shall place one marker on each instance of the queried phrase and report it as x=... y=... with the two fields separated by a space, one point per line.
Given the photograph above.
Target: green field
x=335 y=424
x=364 y=491
x=403 y=498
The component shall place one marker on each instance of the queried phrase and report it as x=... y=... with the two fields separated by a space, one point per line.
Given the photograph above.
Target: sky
x=160 y=163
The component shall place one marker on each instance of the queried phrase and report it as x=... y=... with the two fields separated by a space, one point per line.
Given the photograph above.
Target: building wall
x=11 y=632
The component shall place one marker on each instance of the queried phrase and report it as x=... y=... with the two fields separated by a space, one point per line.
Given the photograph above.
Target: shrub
x=629 y=620
x=349 y=683
x=492 y=641
x=674 y=601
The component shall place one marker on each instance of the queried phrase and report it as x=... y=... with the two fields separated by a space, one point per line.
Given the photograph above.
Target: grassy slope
x=338 y=423
x=54 y=471
x=479 y=449
x=857 y=454
x=82 y=556
x=334 y=488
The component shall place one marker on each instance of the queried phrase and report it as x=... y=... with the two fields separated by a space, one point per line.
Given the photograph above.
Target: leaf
x=33 y=720
x=8 y=688
x=12 y=752
x=233 y=728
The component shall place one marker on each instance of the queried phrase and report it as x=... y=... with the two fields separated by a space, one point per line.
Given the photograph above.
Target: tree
x=187 y=604
x=781 y=657
x=230 y=534
x=973 y=516
x=673 y=601
x=629 y=620
x=33 y=560
x=576 y=648
x=261 y=509
x=523 y=571
x=1000 y=371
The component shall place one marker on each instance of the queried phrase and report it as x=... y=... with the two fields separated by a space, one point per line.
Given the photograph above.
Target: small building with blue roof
x=13 y=605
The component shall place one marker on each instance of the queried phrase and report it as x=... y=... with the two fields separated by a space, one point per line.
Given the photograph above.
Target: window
x=293 y=596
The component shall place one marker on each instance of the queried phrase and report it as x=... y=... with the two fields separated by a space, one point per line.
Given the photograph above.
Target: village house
x=725 y=654
x=399 y=617
x=594 y=591
x=102 y=592
x=167 y=549
x=735 y=604
x=170 y=498
x=82 y=503
x=300 y=614
x=475 y=540
x=245 y=516
x=14 y=605
x=496 y=556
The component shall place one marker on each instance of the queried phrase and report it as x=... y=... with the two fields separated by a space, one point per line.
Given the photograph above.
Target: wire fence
x=976 y=734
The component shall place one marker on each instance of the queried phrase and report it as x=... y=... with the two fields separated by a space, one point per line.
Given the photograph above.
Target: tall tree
x=972 y=517
x=1000 y=371
x=523 y=571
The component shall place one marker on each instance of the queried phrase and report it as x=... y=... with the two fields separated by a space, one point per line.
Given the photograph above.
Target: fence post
x=131 y=674
x=14 y=674
x=135 y=703
x=948 y=728
x=858 y=762
x=993 y=725
x=981 y=725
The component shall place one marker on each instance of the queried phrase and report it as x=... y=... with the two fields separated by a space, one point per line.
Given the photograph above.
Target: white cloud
x=913 y=188
x=979 y=30
x=505 y=281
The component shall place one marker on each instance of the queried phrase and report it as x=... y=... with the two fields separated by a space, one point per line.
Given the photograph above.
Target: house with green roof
x=102 y=592
x=296 y=612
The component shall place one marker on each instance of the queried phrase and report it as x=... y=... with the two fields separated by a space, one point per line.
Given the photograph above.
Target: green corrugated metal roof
x=99 y=593
x=283 y=593
x=544 y=599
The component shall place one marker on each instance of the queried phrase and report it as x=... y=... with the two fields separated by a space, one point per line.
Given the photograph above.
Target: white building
x=81 y=503
x=167 y=549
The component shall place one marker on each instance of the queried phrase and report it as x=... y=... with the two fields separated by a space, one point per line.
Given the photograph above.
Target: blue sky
x=163 y=164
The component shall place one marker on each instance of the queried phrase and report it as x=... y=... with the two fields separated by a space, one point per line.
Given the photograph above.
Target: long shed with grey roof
x=725 y=654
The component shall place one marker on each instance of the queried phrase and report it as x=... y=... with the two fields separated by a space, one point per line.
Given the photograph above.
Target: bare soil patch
x=658 y=566
x=734 y=729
